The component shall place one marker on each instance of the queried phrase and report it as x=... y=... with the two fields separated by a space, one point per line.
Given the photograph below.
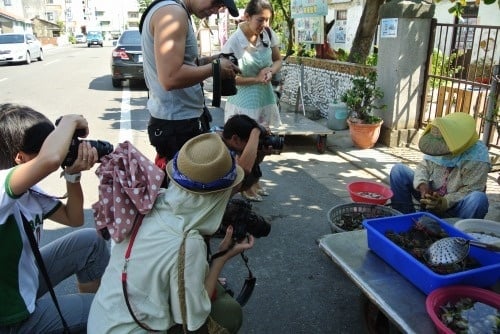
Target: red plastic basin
x=369 y=192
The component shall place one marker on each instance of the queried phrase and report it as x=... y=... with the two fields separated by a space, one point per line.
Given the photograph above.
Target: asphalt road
x=299 y=290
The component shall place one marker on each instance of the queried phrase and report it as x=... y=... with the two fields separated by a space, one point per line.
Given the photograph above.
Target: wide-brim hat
x=204 y=165
x=231 y=7
x=451 y=134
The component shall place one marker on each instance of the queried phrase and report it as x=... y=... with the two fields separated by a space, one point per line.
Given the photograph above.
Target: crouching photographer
x=251 y=143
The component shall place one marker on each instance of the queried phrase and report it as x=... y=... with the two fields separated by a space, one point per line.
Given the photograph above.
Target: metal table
x=396 y=297
x=294 y=123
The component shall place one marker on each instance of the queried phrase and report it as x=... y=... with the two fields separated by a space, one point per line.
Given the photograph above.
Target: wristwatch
x=72 y=178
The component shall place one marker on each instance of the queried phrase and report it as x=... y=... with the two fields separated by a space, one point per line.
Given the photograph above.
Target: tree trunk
x=366 y=30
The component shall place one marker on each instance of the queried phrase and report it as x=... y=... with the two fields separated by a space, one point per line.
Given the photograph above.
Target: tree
x=366 y=30
x=459 y=5
x=143 y=4
x=282 y=13
x=369 y=20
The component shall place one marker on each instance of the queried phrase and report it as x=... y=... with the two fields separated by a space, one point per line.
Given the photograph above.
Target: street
x=298 y=290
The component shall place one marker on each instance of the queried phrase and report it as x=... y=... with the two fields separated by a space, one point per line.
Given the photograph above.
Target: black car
x=126 y=60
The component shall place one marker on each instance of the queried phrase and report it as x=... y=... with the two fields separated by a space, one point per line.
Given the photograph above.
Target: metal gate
x=463 y=76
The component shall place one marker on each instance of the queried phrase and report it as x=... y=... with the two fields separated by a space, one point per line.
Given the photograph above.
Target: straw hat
x=451 y=134
x=204 y=165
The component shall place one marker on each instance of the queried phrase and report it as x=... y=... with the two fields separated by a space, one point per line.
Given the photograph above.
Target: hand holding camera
x=228 y=66
x=83 y=152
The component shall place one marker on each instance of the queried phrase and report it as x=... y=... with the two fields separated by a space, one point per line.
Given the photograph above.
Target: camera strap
x=216 y=83
x=249 y=284
x=43 y=269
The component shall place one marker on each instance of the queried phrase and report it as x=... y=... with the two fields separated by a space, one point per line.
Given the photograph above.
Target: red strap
x=133 y=234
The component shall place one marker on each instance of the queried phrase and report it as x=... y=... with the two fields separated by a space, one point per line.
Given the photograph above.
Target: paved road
x=299 y=290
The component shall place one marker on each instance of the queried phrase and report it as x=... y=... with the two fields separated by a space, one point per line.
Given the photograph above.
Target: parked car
x=19 y=48
x=95 y=38
x=126 y=58
x=80 y=39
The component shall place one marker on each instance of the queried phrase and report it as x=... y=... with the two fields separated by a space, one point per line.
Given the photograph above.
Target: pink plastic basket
x=452 y=294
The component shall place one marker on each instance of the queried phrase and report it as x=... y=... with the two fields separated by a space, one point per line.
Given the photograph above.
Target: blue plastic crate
x=418 y=273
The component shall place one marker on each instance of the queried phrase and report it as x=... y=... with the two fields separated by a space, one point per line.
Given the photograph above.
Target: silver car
x=19 y=48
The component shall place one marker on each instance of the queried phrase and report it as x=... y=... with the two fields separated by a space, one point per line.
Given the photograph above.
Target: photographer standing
x=30 y=150
x=170 y=286
x=256 y=46
x=174 y=74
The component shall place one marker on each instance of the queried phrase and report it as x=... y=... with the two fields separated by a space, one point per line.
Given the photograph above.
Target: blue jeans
x=473 y=205
x=82 y=252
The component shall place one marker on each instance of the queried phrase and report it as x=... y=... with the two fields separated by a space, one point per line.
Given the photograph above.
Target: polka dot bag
x=128 y=186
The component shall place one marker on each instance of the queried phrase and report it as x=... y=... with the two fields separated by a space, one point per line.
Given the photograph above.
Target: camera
x=244 y=220
x=228 y=86
x=222 y=87
x=103 y=147
x=275 y=141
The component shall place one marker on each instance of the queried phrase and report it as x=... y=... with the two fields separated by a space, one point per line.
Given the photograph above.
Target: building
x=75 y=16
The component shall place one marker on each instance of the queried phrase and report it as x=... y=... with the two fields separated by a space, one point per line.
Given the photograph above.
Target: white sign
x=389 y=28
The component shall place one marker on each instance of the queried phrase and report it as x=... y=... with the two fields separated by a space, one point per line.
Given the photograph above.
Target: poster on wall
x=339 y=35
x=310 y=30
x=389 y=28
x=306 y=8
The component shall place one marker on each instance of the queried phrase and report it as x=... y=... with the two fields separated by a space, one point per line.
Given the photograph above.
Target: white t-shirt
x=19 y=274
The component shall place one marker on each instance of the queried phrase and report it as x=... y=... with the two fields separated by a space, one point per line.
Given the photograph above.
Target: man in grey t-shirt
x=174 y=73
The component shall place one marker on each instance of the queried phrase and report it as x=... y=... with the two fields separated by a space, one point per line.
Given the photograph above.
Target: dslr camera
x=222 y=87
x=275 y=141
x=103 y=147
x=244 y=220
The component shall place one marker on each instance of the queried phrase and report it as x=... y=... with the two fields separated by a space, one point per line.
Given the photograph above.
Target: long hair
x=21 y=129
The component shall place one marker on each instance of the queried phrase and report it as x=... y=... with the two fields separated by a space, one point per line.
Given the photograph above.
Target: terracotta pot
x=364 y=135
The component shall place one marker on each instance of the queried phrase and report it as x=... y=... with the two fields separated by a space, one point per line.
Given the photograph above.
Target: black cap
x=230 y=5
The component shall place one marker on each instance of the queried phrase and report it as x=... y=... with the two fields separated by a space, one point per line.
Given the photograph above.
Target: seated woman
x=451 y=178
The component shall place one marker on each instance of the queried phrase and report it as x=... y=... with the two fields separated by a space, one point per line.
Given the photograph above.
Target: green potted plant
x=362 y=99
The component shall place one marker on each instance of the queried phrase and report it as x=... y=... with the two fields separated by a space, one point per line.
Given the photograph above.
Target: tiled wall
x=323 y=81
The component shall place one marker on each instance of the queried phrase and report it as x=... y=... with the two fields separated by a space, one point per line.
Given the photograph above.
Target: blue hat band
x=184 y=181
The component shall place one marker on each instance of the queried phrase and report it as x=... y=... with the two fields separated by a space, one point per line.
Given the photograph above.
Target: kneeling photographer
x=251 y=142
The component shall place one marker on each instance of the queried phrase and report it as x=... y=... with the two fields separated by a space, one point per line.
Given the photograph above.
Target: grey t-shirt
x=177 y=104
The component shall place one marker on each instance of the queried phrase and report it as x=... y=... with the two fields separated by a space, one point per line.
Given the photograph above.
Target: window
x=341 y=14
x=133 y=15
x=49 y=2
x=99 y=13
x=7 y=2
x=49 y=16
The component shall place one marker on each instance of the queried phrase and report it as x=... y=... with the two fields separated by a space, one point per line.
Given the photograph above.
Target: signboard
x=307 y=8
x=310 y=30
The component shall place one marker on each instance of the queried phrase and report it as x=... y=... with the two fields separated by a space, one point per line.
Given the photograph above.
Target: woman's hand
x=239 y=247
x=265 y=75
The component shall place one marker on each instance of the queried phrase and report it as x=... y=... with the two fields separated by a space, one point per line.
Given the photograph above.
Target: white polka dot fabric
x=129 y=184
